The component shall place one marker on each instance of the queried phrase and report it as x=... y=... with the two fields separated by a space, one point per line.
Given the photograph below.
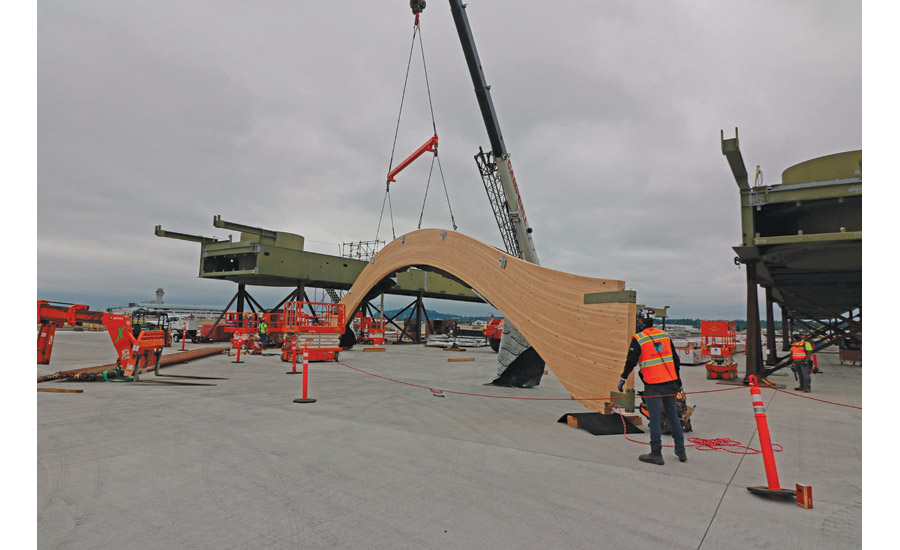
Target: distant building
x=173 y=310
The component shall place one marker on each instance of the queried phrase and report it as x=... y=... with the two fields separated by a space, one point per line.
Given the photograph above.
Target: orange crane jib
x=429 y=146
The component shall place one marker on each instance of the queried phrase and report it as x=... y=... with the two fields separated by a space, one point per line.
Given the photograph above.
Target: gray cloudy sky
x=281 y=114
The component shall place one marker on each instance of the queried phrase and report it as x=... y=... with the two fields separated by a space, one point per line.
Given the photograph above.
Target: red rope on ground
x=819 y=400
x=516 y=397
x=611 y=399
x=700 y=444
x=718 y=444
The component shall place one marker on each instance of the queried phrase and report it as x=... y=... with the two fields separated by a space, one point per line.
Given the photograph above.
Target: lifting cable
x=387 y=193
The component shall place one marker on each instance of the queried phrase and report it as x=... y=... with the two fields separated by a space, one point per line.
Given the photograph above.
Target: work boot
x=807 y=390
x=798 y=388
x=653 y=458
x=682 y=456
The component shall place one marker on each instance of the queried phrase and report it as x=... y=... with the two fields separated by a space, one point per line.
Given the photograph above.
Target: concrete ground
x=376 y=463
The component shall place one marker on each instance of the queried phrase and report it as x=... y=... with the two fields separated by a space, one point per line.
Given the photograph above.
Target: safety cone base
x=304 y=400
x=294 y=372
x=781 y=494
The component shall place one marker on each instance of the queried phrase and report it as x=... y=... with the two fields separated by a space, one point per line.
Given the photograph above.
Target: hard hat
x=646 y=313
x=645 y=317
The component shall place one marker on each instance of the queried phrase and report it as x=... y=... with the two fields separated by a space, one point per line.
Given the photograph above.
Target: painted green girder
x=804 y=234
x=262 y=257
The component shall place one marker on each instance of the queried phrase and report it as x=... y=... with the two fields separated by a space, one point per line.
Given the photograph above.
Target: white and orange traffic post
x=774 y=489
x=305 y=399
x=293 y=357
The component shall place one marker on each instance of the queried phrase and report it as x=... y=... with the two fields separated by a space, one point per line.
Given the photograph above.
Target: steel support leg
x=785 y=330
x=754 y=340
x=772 y=356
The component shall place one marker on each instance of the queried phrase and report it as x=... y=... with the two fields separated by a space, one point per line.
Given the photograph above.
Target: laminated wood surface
x=583 y=344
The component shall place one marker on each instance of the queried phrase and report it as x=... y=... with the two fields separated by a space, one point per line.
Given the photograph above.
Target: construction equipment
x=493 y=330
x=135 y=351
x=320 y=330
x=684 y=412
x=243 y=325
x=518 y=364
x=717 y=341
x=148 y=319
x=369 y=330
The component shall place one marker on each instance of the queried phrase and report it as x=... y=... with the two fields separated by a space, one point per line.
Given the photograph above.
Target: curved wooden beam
x=583 y=344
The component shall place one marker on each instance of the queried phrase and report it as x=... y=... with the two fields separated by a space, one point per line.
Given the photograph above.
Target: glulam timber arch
x=584 y=345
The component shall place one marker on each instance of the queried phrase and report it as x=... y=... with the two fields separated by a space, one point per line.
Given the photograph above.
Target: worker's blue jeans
x=655 y=406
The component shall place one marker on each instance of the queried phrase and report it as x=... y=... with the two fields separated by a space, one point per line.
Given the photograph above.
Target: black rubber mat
x=602 y=424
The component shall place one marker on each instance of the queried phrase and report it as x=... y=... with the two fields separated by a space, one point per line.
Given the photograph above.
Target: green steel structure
x=262 y=257
x=802 y=242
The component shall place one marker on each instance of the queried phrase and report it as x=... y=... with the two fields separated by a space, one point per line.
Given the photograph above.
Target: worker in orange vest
x=658 y=365
x=801 y=353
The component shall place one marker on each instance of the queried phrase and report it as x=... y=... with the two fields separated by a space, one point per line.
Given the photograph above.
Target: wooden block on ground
x=635 y=419
x=59 y=390
x=458 y=359
x=374 y=349
x=454 y=349
x=573 y=421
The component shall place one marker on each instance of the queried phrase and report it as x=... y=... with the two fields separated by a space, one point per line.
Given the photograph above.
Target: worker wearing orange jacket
x=652 y=352
x=801 y=353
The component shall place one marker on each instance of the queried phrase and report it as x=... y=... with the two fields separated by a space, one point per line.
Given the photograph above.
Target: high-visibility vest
x=657 y=363
x=263 y=327
x=799 y=349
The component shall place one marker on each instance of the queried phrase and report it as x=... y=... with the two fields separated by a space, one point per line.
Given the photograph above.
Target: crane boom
x=497 y=175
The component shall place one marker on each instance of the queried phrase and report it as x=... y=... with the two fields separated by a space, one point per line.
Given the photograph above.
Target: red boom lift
x=369 y=330
x=134 y=353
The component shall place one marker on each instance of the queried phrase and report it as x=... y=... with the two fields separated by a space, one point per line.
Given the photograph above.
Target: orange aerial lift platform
x=318 y=330
x=717 y=341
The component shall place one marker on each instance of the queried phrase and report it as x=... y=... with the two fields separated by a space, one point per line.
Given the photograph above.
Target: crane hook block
x=418 y=6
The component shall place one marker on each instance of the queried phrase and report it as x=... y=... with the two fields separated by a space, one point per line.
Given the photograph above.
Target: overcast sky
x=282 y=114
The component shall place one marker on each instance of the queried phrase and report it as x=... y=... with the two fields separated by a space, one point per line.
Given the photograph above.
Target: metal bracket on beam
x=614 y=297
x=160 y=232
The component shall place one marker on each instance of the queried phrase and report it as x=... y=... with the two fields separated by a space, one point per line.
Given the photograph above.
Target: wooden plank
x=374 y=349
x=584 y=345
x=59 y=390
x=459 y=359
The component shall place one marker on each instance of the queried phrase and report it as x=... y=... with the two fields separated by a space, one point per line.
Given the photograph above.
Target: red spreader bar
x=428 y=147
